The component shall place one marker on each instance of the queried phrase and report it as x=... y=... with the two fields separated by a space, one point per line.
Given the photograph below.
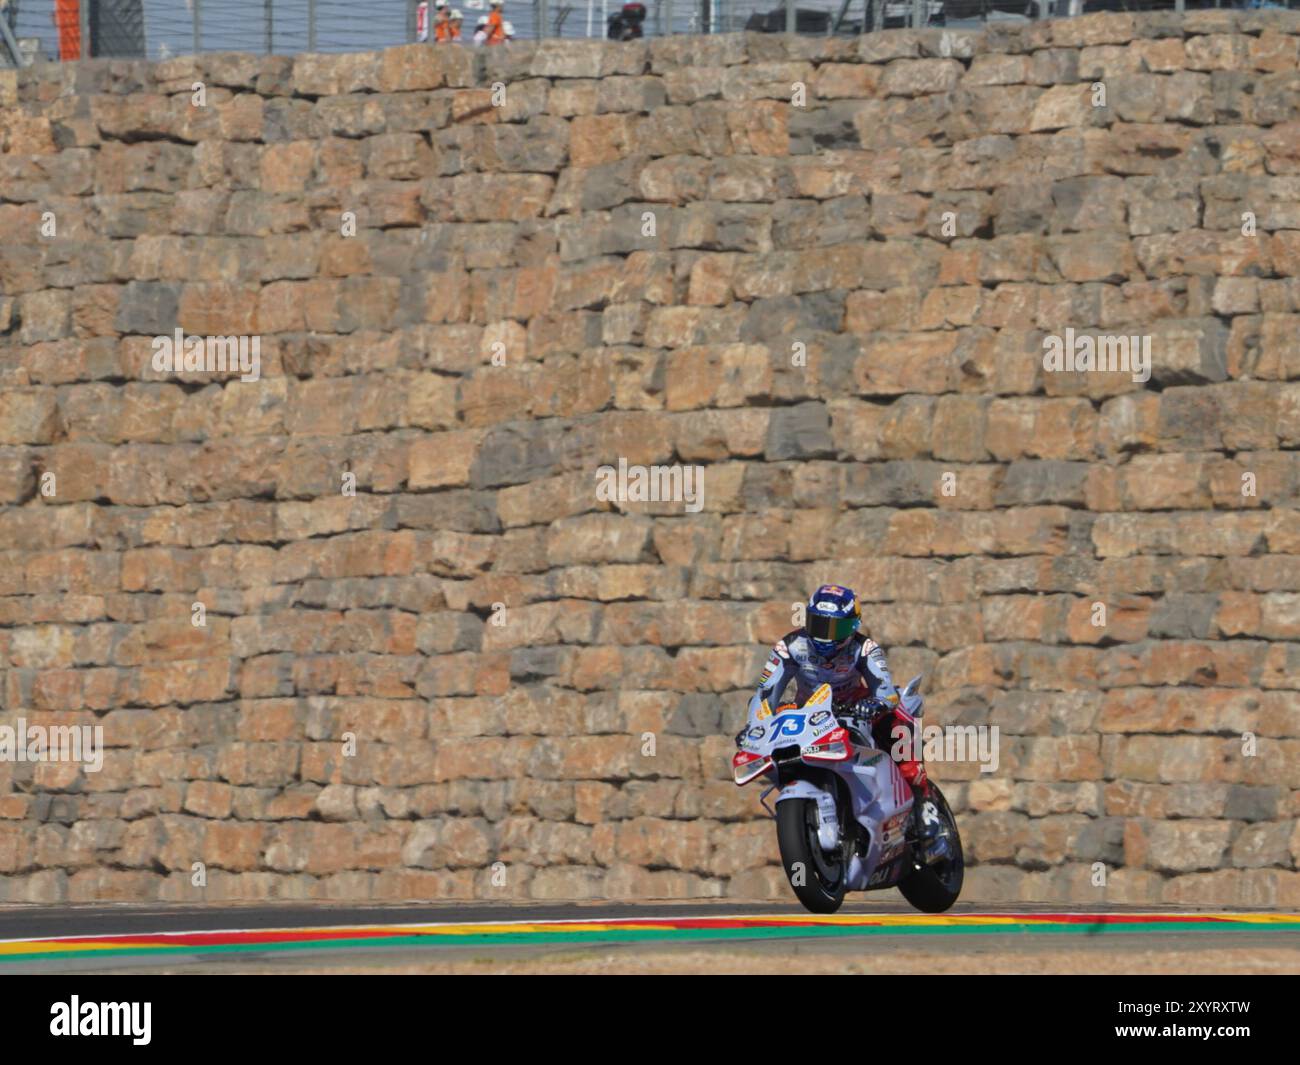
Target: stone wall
x=434 y=662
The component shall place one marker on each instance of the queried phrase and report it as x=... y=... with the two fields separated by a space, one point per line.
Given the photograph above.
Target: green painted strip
x=638 y=935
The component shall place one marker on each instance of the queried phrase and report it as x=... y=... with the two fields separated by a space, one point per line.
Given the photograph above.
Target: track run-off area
x=107 y=938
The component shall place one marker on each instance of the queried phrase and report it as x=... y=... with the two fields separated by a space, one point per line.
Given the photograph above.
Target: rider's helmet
x=832 y=617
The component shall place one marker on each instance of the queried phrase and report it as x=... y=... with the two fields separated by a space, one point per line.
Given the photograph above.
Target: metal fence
x=40 y=30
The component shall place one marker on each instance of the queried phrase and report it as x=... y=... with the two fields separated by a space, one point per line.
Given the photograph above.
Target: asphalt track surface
x=364 y=938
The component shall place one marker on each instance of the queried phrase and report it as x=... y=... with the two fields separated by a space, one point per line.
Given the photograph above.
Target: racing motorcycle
x=845 y=817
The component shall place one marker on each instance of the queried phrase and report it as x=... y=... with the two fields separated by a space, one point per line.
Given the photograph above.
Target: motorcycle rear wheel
x=934 y=888
x=824 y=877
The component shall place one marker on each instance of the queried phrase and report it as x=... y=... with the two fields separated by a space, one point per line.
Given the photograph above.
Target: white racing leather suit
x=857 y=670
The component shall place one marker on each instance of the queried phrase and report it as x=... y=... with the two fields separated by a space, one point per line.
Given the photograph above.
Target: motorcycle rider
x=830 y=649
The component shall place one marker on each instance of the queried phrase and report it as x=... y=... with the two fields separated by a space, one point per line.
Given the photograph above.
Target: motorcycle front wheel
x=819 y=878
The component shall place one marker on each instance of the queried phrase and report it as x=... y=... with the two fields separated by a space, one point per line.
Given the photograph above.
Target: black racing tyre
x=934 y=888
x=819 y=879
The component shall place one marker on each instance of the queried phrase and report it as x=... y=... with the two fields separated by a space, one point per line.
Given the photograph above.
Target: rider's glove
x=869 y=711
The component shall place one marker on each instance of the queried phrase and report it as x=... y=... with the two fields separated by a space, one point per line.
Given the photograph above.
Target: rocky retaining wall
x=366 y=625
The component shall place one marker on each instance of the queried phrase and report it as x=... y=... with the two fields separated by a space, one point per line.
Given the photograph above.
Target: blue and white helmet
x=832 y=617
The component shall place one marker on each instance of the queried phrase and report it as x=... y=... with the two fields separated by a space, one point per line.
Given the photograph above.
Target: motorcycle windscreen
x=821 y=696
